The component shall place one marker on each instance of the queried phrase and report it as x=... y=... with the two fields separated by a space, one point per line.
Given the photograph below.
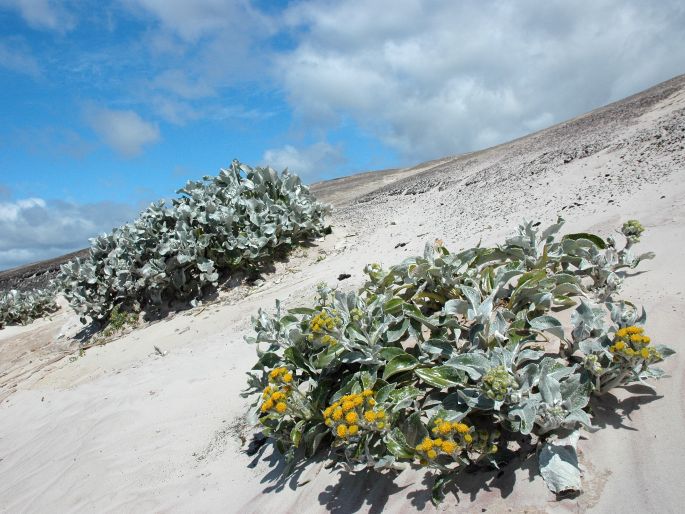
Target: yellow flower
x=328 y=422
x=327 y=412
x=348 y=405
x=437 y=442
x=621 y=332
x=645 y=340
x=337 y=414
x=342 y=430
x=353 y=429
x=468 y=439
x=620 y=345
x=644 y=353
x=449 y=446
x=351 y=417
x=460 y=427
x=267 y=405
x=371 y=402
x=280 y=407
x=288 y=377
x=278 y=395
x=380 y=424
x=630 y=352
x=357 y=401
x=431 y=454
x=267 y=391
x=380 y=414
x=370 y=416
x=493 y=449
x=427 y=443
x=367 y=392
x=445 y=428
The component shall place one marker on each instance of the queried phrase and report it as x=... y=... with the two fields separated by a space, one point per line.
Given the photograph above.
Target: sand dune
x=125 y=429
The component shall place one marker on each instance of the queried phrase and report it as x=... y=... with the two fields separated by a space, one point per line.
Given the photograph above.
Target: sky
x=108 y=106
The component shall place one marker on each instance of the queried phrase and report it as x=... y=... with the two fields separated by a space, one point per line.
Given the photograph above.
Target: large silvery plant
x=237 y=219
x=457 y=361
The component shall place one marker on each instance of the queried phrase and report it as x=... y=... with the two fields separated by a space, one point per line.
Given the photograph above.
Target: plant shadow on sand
x=610 y=410
x=371 y=490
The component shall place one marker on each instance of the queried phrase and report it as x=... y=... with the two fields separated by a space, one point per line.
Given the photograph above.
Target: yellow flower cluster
x=280 y=375
x=322 y=323
x=275 y=399
x=631 y=343
x=354 y=413
x=452 y=438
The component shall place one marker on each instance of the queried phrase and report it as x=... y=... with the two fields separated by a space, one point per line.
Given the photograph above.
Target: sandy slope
x=124 y=429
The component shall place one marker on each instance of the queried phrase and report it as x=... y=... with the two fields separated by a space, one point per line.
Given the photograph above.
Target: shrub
x=237 y=219
x=447 y=359
x=22 y=307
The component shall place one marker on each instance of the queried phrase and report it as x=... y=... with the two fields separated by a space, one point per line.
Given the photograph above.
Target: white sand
x=123 y=429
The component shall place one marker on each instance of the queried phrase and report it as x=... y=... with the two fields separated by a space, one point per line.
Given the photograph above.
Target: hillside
x=124 y=427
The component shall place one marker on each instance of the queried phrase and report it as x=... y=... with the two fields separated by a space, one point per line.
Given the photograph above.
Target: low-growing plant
x=22 y=307
x=447 y=360
x=238 y=219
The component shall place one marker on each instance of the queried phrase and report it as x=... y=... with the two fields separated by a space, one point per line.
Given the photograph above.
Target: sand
x=123 y=428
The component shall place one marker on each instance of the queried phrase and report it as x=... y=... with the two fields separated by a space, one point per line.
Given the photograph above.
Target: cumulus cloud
x=125 y=131
x=431 y=79
x=308 y=161
x=34 y=229
x=43 y=14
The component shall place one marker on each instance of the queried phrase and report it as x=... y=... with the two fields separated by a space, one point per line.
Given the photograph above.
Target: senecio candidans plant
x=22 y=307
x=447 y=360
x=238 y=219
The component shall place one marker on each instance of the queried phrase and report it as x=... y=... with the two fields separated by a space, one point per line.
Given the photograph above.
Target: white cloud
x=176 y=81
x=34 y=229
x=124 y=131
x=15 y=57
x=430 y=79
x=192 y=20
x=43 y=14
x=306 y=162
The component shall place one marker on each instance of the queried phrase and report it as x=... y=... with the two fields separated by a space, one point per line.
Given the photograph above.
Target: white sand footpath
x=124 y=429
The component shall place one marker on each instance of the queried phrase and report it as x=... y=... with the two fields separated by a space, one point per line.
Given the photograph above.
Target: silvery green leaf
x=529 y=355
x=589 y=346
x=559 y=464
x=403 y=397
x=549 y=389
x=525 y=414
x=456 y=307
x=438 y=347
x=582 y=417
x=548 y=324
x=440 y=376
x=664 y=350
x=474 y=399
x=528 y=376
x=475 y=364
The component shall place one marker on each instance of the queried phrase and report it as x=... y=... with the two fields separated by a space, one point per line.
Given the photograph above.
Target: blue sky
x=107 y=106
